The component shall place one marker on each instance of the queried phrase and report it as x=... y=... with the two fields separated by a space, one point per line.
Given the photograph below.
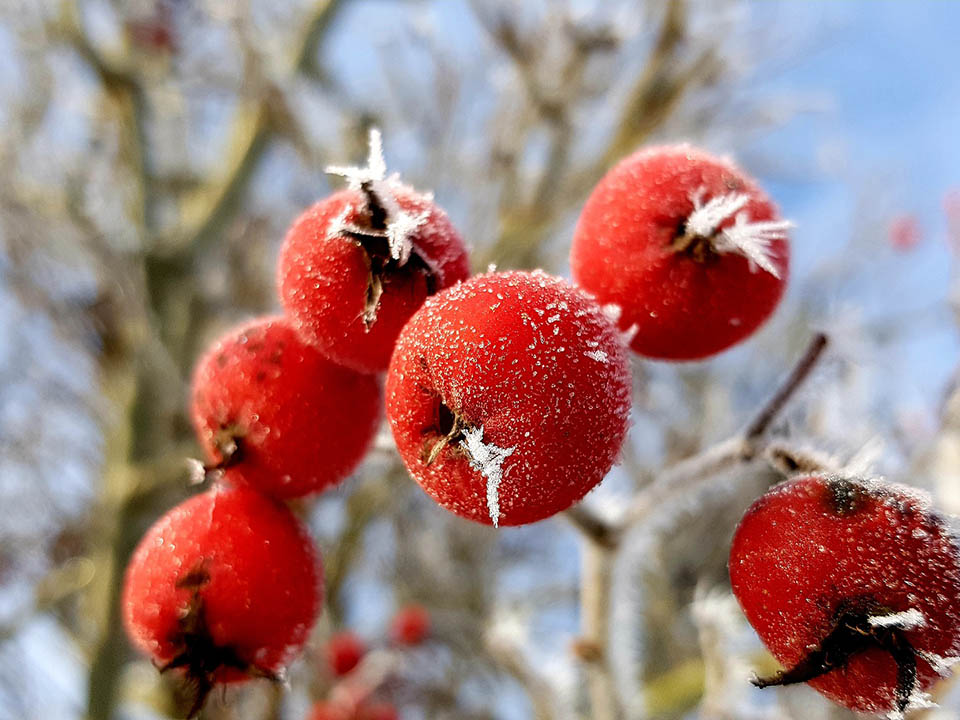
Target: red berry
x=508 y=396
x=325 y=710
x=687 y=245
x=225 y=586
x=905 y=233
x=853 y=585
x=344 y=652
x=282 y=417
x=356 y=266
x=377 y=711
x=410 y=625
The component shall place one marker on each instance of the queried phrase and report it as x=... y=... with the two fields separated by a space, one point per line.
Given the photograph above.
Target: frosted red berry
x=687 y=245
x=854 y=586
x=278 y=414
x=224 y=587
x=344 y=652
x=411 y=625
x=355 y=267
x=508 y=396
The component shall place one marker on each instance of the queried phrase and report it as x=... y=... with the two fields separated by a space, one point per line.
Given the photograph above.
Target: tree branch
x=697 y=471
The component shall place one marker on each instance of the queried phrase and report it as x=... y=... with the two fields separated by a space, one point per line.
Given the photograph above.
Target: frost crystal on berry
x=375 y=170
x=488 y=459
x=907 y=620
x=400 y=228
x=942 y=665
x=750 y=239
x=400 y=225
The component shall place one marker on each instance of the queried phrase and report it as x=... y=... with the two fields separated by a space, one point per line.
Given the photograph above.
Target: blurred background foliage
x=154 y=152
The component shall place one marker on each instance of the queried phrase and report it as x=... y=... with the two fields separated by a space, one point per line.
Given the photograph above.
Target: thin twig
x=689 y=475
x=769 y=412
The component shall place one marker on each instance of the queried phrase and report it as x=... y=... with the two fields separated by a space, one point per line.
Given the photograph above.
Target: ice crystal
x=918 y=700
x=400 y=228
x=941 y=665
x=488 y=459
x=375 y=171
x=906 y=620
x=372 y=178
x=750 y=239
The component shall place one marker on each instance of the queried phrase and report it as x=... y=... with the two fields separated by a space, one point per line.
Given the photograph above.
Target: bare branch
x=698 y=471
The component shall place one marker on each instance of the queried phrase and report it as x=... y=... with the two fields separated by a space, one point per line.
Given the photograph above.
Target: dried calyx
x=702 y=237
x=198 y=656
x=859 y=626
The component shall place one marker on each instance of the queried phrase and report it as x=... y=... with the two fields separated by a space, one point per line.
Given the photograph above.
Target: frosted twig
x=699 y=470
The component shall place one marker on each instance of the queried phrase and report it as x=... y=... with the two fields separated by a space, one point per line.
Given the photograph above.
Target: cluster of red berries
x=227 y=585
x=508 y=397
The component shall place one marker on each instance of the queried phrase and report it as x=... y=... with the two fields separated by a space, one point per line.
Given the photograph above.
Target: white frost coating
x=598 y=355
x=197 y=470
x=375 y=170
x=612 y=311
x=706 y=217
x=941 y=665
x=399 y=229
x=750 y=239
x=340 y=226
x=918 y=700
x=400 y=224
x=906 y=620
x=488 y=459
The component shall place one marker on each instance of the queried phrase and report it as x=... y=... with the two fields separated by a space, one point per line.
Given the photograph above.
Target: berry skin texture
x=344 y=652
x=508 y=397
x=854 y=586
x=224 y=587
x=411 y=625
x=688 y=246
x=342 y=287
x=277 y=414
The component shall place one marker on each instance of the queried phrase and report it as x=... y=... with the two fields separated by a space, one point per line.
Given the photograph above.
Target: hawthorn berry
x=687 y=245
x=411 y=625
x=854 y=586
x=224 y=587
x=508 y=396
x=277 y=414
x=355 y=266
x=344 y=652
